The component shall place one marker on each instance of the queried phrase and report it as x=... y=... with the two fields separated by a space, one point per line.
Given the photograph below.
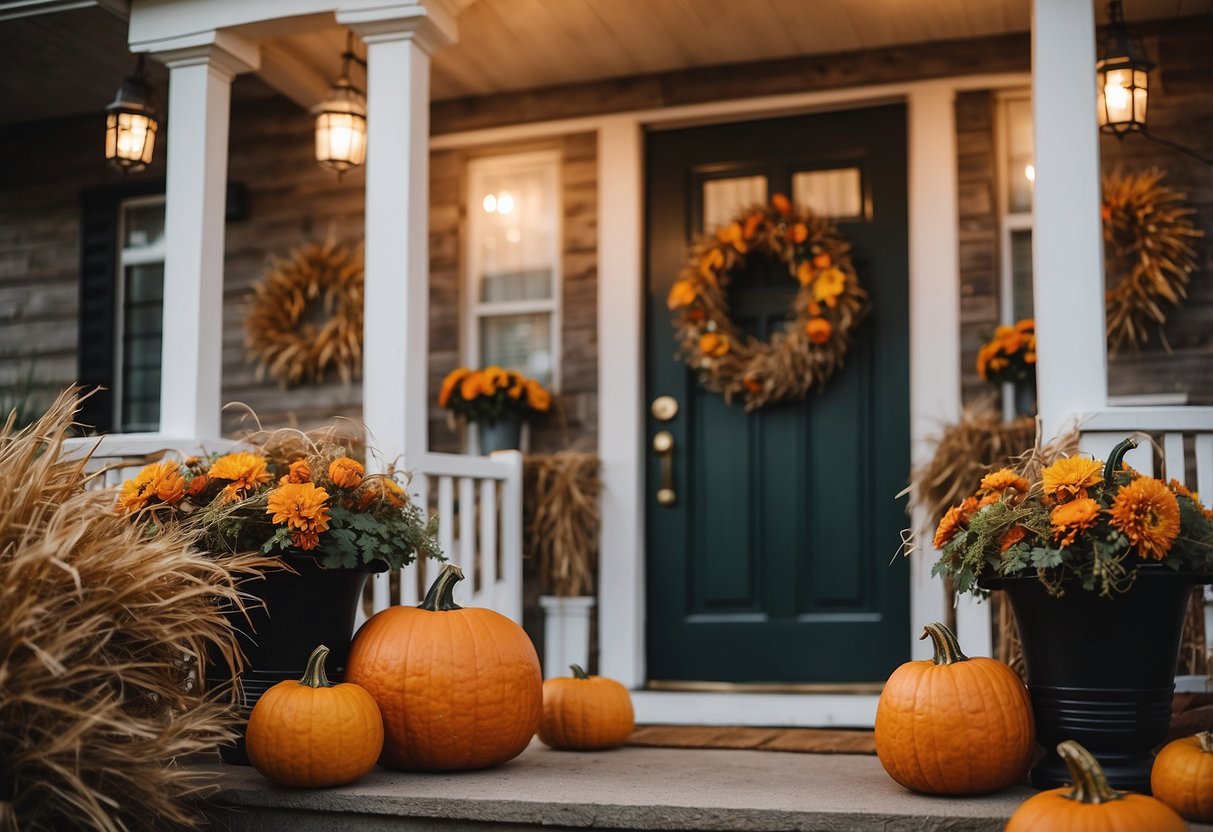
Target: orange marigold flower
x=829 y=285
x=782 y=204
x=381 y=488
x=301 y=508
x=537 y=396
x=346 y=472
x=497 y=378
x=1027 y=325
x=1002 y=480
x=1010 y=537
x=948 y=527
x=1068 y=478
x=711 y=261
x=244 y=472
x=474 y=385
x=798 y=233
x=733 y=235
x=1147 y=513
x=805 y=273
x=453 y=379
x=297 y=471
x=159 y=482
x=1072 y=518
x=713 y=344
x=1179 y=489
x=968 y=507
x=822 y=260
x=197 y=486
x=751 y=225
x=818 y=330
x=682 y=293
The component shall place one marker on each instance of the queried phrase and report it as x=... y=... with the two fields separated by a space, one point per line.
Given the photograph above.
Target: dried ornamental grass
x=102 y=639
x=565 y=520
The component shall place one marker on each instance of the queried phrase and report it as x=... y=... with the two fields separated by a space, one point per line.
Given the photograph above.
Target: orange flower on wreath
x=1147 y=512
x=829 y=285
x=714 y=345
x=798 y=233
x=346 y=472
x=244 y=472
x=301 y=508
x=711 y=261
x=449 y=384
x=1072 y=518
x=752 y=385
x=782 y=204
x=818 y=330
x=682 y=293
x=822 y=260
x=733 y=234
x=805 y=273
x=298 y=471
x=197 y=486
x=1068 y=478
x=158 y=482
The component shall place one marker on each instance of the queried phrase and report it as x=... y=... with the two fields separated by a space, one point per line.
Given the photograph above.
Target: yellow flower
x=829 y=285
x=1148 y=514
x=158 y=482
x=805 y=273
x=818 y=330
x=301 y=508
x=714 y=345
x=733 y=235
x=1070 y=519
x=452 y=380
x=712 y=260
x=297 y=472
x=1068 y=478
x=1001 y=480
x=346 y=472
x=682 y=293
x=537 y=396
x=244 y=472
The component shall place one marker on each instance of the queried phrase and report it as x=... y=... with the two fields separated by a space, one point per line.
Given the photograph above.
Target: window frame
x=142 y=256
x=474 y=310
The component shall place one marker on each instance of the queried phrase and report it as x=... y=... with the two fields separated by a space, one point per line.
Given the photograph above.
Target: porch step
x=626 y=789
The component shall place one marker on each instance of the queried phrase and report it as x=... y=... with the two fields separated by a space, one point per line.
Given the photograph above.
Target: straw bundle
x=565 y=520
x=103 y=635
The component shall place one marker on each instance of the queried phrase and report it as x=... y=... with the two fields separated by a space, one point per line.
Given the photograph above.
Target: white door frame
x=934 y=367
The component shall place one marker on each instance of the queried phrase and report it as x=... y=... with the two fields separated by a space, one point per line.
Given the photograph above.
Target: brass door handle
x=663 y=445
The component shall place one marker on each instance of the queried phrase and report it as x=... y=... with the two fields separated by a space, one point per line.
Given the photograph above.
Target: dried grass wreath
x=827 y=308
x=306 y=315
x=1147 y=234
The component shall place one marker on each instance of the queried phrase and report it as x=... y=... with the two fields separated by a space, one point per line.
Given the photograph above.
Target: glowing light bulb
x=505 y=203
x=490 y=204
x=1029 y=173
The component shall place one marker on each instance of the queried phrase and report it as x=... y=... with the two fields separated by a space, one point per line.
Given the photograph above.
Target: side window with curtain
x=121 y=302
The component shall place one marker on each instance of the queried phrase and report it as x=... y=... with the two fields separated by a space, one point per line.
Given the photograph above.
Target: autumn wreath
x=827 y=307
x=1147 y=234
x=306 y=315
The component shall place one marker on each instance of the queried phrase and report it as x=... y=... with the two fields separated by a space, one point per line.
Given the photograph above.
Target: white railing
x=478 y=501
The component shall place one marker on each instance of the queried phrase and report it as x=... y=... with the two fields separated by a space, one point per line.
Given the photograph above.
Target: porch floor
x=629 y=788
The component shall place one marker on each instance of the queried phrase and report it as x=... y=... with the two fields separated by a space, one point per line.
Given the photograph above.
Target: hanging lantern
x=1123 y=71
x=130 y=123
x=341 y=120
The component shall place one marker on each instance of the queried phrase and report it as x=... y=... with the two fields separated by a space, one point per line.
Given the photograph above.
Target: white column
x=1067 y=240
x=395 y=350
x=200 y=83
x=621 y=400
x=934 y=319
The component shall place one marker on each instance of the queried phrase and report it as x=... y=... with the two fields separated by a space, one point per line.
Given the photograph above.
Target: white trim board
x=934 y=366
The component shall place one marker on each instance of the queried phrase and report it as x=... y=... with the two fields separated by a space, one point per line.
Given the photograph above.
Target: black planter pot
x=301 y=611
x=1102 y=670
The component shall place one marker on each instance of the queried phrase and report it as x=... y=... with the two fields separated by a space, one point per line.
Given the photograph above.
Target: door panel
x=773 y=564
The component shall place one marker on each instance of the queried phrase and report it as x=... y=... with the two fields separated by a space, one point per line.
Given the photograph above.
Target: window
x=1016 y=176
x=139 y=304
x=514 y=264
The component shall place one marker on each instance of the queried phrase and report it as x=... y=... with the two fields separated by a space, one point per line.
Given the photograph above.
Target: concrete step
x=627 y=789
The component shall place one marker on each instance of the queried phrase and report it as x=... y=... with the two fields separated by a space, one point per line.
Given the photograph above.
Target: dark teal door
x=776 y=563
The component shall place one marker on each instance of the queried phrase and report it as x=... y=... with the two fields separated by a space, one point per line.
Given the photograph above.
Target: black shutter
x=98 y=284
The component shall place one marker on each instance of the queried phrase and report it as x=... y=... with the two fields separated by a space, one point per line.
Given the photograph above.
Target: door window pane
x=1021 y=273
x=723 y=199
x=1018 y=140
x=143 y=225
x=837 y=193
x=140 y=316
x=519 y=342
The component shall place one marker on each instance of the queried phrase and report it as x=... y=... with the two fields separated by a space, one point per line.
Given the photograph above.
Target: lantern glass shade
x=131 y=124
x=341 y=129
x=1123 y=73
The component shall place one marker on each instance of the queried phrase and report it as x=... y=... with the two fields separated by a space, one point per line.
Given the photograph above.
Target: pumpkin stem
x=947 y=648
x=440 y=598
x=1090 y=783
x=578 y=673
x=313 y=674
x=1117 y=457
x=1206 y=741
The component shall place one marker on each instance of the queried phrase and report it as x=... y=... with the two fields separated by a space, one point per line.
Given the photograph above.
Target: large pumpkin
x=1182 y=776
x=1091 y=805
x=458 y=688
x=311 y=733
x=585 y=713
x=954 y=725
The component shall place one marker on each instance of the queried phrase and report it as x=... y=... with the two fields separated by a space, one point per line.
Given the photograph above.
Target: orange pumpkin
x=585 y=713
x=312 y=733
x=1091 y=805
x=458 y=688
x=954 y=725
x=1182 y=776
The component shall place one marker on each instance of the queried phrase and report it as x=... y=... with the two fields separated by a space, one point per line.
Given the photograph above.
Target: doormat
x=801 y=740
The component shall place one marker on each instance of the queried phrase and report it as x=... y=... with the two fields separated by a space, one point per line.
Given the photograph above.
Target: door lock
x=664 y=408
x=663 y=445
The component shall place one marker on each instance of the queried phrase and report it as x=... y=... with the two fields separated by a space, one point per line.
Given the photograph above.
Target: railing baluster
x=488 y=539
x=1204 y=468
x=467 y=538
x=1173 y=456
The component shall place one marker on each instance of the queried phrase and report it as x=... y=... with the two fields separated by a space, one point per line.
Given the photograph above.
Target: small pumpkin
x=954 y=725
x=1091 y=804
x=1182 y=776
x=312 y=733
x=585 y=713
x=458 y=688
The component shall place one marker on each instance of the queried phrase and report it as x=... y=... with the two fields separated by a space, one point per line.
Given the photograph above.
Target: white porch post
x=1067 y=240
x=200 y=84
x=399 y=39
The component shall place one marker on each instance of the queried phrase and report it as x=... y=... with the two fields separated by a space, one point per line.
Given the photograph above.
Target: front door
x=775 y=563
